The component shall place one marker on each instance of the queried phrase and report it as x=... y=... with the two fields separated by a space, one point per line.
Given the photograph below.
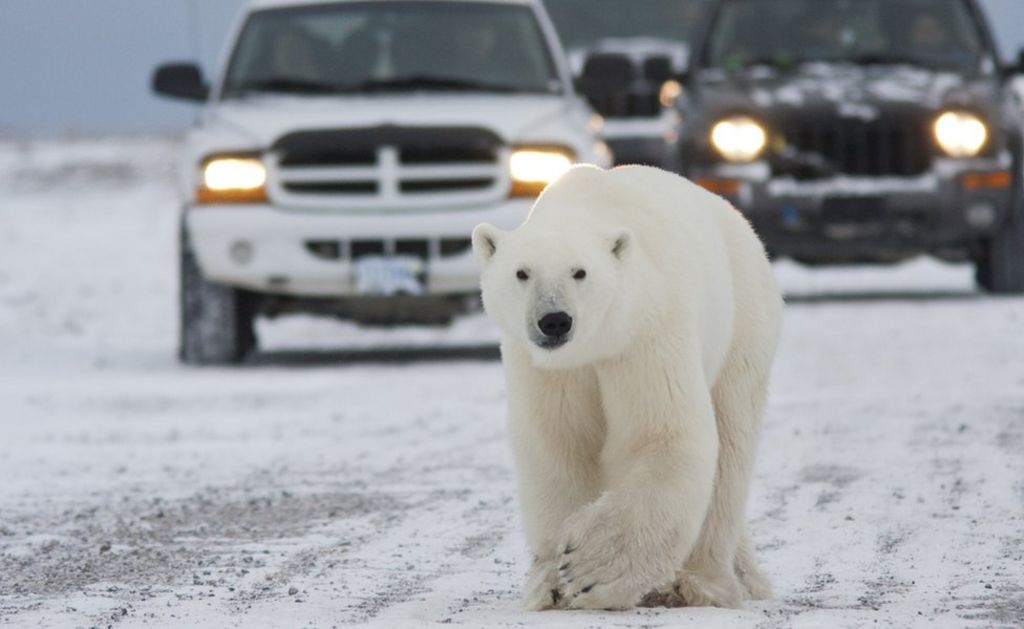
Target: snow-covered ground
x=338 y=487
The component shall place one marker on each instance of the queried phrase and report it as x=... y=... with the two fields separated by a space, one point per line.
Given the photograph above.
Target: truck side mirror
x=183 y=81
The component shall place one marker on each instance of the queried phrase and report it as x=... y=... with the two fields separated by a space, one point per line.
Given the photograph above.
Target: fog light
x=241 y=252
x=995 y=180
x=724 y=187
x=981 y=215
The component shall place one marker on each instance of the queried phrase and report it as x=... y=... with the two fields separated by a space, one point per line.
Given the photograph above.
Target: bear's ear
x=622 y=242
x=485 y=241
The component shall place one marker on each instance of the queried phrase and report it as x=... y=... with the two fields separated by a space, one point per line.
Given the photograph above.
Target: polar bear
x=639 y=318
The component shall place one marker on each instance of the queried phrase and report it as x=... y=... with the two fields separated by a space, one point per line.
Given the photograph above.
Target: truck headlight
x=232 y=179
x=960 y=134
x=670 y=91
x=533 y=168
x=739 y=138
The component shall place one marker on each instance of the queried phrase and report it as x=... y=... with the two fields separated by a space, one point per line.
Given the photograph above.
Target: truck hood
x=855 y=91
x=260 y=121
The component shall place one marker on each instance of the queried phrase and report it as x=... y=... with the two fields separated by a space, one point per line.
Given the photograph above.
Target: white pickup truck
x=348 y=147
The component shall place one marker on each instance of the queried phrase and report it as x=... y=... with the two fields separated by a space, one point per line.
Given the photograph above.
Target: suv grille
x=389 y=167
x=887 y=146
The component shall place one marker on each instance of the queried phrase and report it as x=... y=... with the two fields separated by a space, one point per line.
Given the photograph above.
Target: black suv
x=855 y=131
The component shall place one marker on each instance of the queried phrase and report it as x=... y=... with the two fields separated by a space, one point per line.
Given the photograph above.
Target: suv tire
x=1000 y=270
x=217 y=322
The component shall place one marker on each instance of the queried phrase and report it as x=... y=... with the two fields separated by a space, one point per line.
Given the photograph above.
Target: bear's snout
x=555 y=326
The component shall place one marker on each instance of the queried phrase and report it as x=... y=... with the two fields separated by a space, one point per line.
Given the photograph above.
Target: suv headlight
x=739 y=138
x=960 y=134
x=533 y=168
x=232 y=179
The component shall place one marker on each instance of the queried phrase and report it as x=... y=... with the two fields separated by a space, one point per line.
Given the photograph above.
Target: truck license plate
x=853 y=210
x=383 y=276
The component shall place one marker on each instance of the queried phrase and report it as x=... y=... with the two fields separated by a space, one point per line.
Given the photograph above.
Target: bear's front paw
x=542 y=590
x=605 y=562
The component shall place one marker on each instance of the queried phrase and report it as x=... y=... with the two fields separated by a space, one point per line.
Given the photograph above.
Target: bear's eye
x=522 y=275
x=579 y=275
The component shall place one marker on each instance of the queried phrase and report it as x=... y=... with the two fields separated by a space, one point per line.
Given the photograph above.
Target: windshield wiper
x=776 y=63
x=875 y=59
x=288 y=85
x=412 y=83
x=284 y=85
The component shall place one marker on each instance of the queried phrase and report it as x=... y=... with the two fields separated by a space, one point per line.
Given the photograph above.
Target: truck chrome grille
x=887 y=146
x=426 y=185
x=423 y=248
x=389 y=167
x=328 y=156
x=341 y=187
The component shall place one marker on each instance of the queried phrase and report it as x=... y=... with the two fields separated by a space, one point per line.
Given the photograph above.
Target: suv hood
x=857 y=91
x=260 y=121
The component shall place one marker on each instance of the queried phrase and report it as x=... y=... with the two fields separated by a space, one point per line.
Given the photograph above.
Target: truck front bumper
x=855 y=219
x=311 y=254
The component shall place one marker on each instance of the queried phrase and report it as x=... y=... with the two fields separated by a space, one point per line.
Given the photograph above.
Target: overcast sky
x=83 y=66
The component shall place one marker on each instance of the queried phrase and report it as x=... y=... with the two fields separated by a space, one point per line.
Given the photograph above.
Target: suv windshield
x=392 y=46
x=583 y=23
x=784 y=33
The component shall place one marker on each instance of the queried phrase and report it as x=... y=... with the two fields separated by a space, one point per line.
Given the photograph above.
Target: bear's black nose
x=555 y=324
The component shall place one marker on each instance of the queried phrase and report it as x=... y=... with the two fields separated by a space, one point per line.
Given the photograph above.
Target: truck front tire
x=217 y=322
x=1000 y=269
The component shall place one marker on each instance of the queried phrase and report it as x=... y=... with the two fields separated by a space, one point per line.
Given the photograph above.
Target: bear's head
x=558 y=292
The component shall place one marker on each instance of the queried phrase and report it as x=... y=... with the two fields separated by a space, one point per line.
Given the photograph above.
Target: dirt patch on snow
x=152 y=543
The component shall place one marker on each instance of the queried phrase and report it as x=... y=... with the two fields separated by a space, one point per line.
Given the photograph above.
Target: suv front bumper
x=310 y=254
x=854 y=219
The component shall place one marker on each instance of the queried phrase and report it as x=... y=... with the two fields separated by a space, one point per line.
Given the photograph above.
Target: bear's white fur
x=634 y=440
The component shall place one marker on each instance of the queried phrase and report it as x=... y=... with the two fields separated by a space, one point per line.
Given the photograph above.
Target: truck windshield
x=785 y=33
x=584 y=23
x=356 y=47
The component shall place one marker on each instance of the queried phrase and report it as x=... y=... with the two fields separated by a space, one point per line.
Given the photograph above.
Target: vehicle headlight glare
x=670 y=91
x=232 y=179
x=231 y=173
x=960 y=134
x=538 y=166
x=739 y=139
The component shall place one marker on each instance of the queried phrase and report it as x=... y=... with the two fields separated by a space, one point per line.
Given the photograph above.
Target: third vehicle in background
x=626 y=57
x=865 y=131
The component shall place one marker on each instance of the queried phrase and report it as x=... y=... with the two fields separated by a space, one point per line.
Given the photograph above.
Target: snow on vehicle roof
x=276 y=4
